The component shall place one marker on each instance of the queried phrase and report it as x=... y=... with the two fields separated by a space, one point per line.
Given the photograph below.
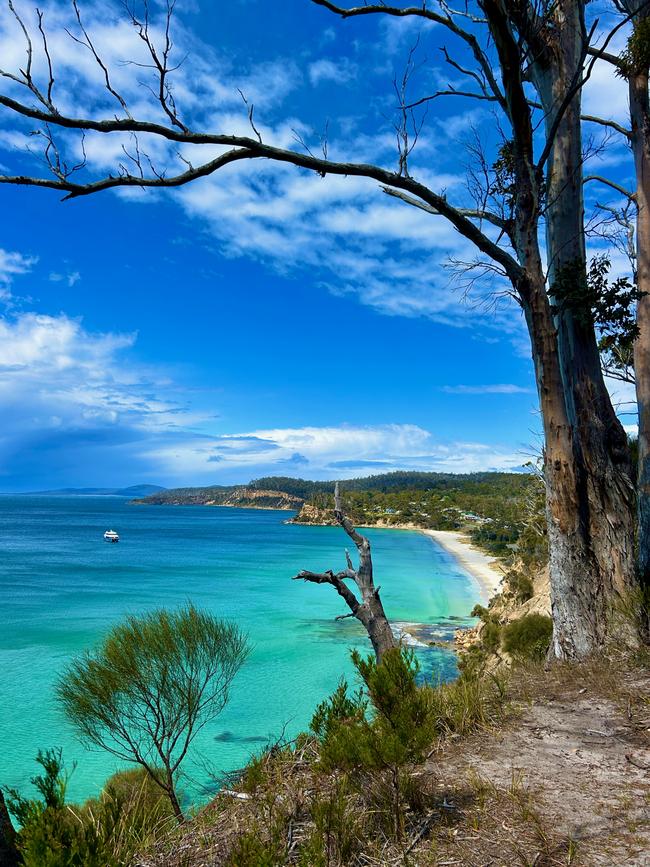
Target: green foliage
x=636 y=57
x=338 y=708
x=504 y=168
x=592 y=298
x=151 y=686
x=105 y=832
x=491 y=636
x=51 y=786
x=519 y=585
x=337 y=830
x=528 y=637
x=491 y=631
x=398 y=730
x=252 y=850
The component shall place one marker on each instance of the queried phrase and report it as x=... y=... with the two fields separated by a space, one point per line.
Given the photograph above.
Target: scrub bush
x=104 y=832
x=520 y=586
x=528 y=637
x=398 y=730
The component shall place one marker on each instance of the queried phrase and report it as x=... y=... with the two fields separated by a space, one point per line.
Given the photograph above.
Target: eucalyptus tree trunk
x=8 y=849
x=590 y=499
x=640 y=123
x=369 y=611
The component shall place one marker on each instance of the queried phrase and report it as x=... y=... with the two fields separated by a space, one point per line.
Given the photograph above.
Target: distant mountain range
x=131 y=491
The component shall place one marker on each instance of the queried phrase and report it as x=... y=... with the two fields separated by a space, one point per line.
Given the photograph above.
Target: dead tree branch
x=369 y=611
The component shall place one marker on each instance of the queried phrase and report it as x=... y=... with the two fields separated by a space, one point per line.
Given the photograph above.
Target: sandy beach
x=481 y=566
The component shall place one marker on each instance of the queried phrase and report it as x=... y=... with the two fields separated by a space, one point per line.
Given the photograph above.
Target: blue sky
x=266 y=320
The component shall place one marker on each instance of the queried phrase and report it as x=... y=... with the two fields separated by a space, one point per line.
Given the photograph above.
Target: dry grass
x=550 y=769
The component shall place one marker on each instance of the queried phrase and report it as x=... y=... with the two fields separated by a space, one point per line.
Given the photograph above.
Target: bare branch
x=248 y=148
x=250 y=108
x=619 y=189
x=88 y=43
x=590 y=118
x=447 y=20
x=50 y=83
x=370 y=611
x=466 y=212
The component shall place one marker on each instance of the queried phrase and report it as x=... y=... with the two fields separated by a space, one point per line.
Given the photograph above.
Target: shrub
x=104 y=832
x=337 y=827
x=250 y=850
x=528 y=637
x=491 y=636
x=399 y=729
x=520 y=586
x=338 y=708
x=491 y=631
x=51 y=835
x=151 y=686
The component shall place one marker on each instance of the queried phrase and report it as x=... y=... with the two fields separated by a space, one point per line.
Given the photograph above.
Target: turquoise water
x=62 y=586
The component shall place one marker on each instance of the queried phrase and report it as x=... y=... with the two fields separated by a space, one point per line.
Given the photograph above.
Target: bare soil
x=566 y=782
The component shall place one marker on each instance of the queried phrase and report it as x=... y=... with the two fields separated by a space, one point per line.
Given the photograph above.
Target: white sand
x=482 y=567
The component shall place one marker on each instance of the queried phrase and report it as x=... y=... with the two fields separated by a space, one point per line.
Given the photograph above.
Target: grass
x=298 y=814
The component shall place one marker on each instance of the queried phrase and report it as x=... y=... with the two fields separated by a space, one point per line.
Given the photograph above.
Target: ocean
x=62 y=586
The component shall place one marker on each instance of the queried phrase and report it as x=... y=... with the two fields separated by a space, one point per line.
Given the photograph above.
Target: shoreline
x=481 y=566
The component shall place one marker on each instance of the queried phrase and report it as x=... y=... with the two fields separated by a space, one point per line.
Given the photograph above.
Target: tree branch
x=243 y=148
x=422 y=12
x=619 y=189
x=590 y=118
x=473 y=214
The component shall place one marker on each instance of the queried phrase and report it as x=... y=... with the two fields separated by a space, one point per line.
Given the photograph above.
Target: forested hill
x=400 y=480
x=304 y=489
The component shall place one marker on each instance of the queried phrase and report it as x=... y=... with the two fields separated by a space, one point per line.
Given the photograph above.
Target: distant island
x=131 y=491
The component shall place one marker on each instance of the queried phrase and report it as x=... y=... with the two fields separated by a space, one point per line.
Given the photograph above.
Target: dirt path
x=567 y=782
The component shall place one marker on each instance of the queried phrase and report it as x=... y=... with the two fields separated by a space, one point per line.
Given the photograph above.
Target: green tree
x=155 y=681
x=398 y=730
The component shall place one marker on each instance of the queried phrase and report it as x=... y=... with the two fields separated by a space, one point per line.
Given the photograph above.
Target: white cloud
x=338 y=71
x=330 y=452
x=71 y=277
x=67 y=393
x=606 y=94
x=505 y=388
x=12 y=264
x=623 y=395
x=390 y=256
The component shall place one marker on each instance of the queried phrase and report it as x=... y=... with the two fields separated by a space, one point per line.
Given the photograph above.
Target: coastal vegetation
x=151 y=686
x=108 y=831
x=498 y=510
x=384 y=777
x=522 y=213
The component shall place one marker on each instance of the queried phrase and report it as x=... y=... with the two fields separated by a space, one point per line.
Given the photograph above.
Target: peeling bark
x=590 y=503
x=638 y=89
x=370 y=610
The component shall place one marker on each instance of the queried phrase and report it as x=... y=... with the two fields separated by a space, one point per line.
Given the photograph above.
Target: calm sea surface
x=62 y=586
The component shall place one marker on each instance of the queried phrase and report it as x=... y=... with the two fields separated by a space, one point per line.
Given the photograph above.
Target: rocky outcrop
x=243 y=497
x=250 y=498
x=310 y=514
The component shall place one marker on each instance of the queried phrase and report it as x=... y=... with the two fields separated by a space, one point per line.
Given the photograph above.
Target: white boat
x=111 y=536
